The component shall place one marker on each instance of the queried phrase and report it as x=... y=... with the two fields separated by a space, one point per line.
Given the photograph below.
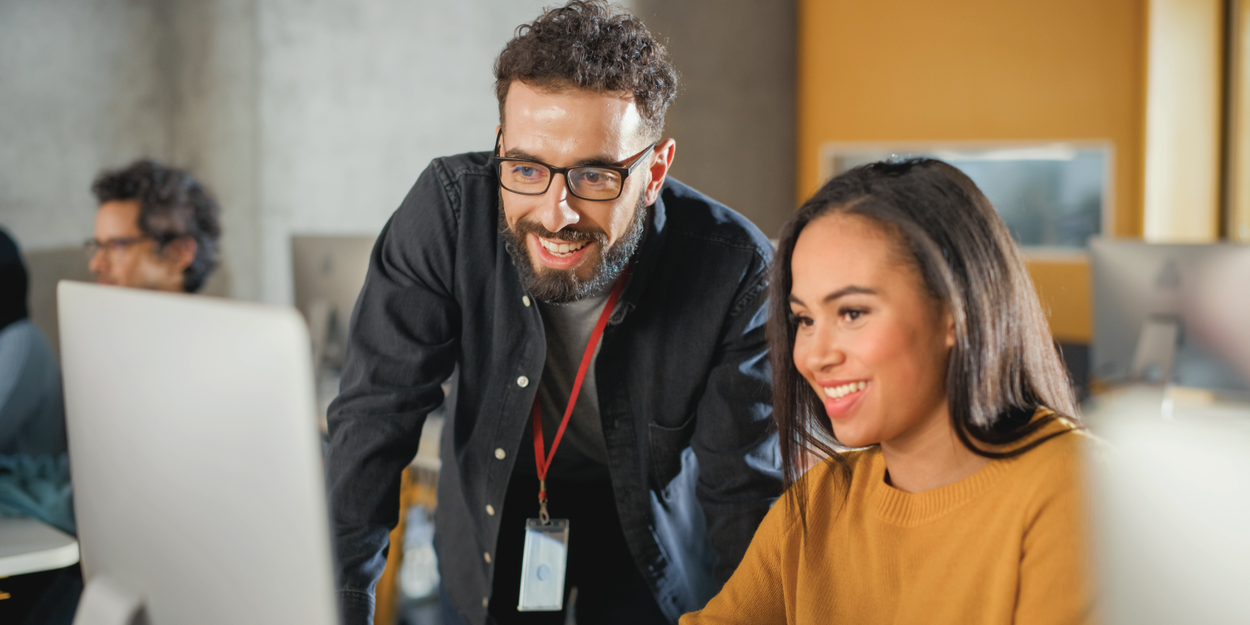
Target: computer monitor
x=1156 y=309
x=1170 y=515
x=198 y=487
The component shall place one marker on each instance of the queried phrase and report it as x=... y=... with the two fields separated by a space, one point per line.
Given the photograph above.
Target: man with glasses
x=156 y=228
x=609 y=430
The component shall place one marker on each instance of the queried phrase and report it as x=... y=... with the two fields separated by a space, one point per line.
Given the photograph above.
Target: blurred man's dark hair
x=172 y=205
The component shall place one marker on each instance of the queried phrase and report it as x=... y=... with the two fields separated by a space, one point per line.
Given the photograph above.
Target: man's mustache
x=524 y=227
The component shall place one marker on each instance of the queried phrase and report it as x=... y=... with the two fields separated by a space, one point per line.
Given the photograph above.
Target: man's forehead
x=119 y=217
x=568 y=119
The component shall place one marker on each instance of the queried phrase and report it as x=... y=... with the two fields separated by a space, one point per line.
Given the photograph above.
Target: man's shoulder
x=458 y=168
x=693 y=215
x=446 y=184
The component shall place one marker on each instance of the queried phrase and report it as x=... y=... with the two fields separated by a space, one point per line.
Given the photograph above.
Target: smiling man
x=609 y=430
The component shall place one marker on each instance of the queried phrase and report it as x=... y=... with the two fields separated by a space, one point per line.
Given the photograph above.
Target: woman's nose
x=824 y=352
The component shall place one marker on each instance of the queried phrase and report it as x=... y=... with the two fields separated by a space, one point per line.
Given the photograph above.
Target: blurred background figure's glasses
x=597 y=183
x=111 y=246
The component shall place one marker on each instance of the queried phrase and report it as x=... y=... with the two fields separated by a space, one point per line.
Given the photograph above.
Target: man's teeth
x=561 y=248
x=838 y=392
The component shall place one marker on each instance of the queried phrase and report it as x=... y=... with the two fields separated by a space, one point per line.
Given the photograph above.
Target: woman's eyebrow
x=848 y=290
x=842 y=292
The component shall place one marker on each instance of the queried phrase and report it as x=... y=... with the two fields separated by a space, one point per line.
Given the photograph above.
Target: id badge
x=542 y=566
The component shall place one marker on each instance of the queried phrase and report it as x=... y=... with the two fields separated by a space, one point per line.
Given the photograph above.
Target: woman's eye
x=851 y=314
x=801 y=320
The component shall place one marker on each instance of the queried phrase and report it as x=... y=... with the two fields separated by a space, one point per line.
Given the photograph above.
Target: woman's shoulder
x=834 y=480
x=1055 y=454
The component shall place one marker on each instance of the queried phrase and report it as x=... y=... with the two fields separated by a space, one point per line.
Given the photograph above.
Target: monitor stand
x=1156 y=346
x=106 y=601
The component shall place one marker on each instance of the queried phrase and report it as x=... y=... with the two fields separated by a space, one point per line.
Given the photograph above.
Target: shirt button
x=490 y=509
x=500 y=454
x=487 y=556
x=522 y=381
x=525 y=299
x=485 y=602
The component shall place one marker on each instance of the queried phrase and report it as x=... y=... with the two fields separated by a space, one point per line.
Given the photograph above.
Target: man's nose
x=555 y=213
x=98 y=262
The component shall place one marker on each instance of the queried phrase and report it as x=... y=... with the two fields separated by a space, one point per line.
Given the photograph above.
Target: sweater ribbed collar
x=912 y=509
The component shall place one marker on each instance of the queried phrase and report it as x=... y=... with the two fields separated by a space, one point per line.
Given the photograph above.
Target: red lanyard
x=541 y=459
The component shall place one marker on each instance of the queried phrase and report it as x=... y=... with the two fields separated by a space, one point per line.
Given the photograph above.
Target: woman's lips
x=841 y=398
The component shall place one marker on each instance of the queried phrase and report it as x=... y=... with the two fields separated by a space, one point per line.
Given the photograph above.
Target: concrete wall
x=301 y=116
x=356 y=98
x=316 y=116
x=82 y=86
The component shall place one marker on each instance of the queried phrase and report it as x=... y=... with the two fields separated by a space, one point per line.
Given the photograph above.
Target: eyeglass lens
x=110 y=246
x=591 y=183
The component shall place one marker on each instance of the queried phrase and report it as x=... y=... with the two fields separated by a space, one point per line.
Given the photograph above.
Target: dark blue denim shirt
x=683 y=382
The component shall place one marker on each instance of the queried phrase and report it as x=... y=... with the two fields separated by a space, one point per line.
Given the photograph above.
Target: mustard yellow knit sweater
x=1005 y=545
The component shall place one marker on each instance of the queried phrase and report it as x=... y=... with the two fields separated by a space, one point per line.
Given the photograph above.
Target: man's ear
x=659 y=168
x=181 y=252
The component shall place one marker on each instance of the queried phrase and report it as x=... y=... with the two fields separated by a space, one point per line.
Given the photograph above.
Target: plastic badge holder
x=543 y=565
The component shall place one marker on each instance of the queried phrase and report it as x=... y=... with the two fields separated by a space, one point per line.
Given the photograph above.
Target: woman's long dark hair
x=1004 y=363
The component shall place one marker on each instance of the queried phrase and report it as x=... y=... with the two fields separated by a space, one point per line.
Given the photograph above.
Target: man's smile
x=557 y=254
x=561 y=248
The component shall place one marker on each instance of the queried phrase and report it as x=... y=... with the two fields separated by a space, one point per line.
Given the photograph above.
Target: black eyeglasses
x=596 y=183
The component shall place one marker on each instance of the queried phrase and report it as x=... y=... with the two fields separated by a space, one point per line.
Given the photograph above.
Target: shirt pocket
x=667 y=445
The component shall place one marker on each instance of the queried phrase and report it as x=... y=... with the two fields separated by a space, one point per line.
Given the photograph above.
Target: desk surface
x=30 y=546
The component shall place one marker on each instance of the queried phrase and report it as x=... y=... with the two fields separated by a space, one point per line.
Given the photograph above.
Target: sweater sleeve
x=755 y=594
x=1055 y=576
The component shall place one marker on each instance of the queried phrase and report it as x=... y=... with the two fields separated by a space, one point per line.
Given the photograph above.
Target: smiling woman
x=904 y=324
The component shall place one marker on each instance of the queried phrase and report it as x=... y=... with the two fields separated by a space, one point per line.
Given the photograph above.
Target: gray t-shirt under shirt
x=582 y=454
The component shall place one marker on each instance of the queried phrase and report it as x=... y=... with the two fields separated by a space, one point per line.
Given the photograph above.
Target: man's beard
x=561 y=286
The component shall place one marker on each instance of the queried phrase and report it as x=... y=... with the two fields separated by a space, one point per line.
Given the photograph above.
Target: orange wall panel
x=917 y=70
x=1063 y=286
x=982 y=70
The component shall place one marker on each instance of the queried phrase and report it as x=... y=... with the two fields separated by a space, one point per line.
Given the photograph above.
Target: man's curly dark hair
x=172 y=205
x=591 y=45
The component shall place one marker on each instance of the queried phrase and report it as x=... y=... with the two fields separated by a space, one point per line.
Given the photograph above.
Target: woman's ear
x=948 y=321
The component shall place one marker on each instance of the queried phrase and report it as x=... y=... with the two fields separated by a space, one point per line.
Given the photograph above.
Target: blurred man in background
x=156 y=228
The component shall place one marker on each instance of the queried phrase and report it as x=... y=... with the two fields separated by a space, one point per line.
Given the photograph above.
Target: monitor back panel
x=197 y=478
x=1136 y=283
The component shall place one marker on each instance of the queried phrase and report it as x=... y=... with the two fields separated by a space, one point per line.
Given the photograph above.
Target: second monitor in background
x=1171 y=314
x=329 y=272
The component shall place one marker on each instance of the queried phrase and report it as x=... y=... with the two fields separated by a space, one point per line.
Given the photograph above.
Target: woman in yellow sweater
x=904 y=323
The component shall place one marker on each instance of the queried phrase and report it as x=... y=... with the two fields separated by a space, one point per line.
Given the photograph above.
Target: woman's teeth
x=838 y=392
x=562 y=249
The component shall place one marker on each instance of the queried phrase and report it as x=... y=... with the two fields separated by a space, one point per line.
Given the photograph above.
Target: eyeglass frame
x=624 y=172
x=94 y=246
